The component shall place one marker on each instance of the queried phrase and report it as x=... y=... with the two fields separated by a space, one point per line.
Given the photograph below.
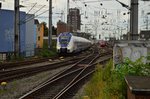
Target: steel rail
x=18 y=73
x=76 y=76
x=21 y=63
x=29 y=72
x=8 y=65
x=54 y=78
x=61 y=94
x=59 y=76
x=18 y=69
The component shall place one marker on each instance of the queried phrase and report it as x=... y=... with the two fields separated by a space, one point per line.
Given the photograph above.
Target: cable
x=35 y=12
x=27 y=20
x=39 y=9
x=32 y=8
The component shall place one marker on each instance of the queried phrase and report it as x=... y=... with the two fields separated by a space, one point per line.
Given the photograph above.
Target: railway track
x=25 y=63
x=10 y=75
x=71 y=89
x=24 y=71
x=57 y=86
x=21 y=63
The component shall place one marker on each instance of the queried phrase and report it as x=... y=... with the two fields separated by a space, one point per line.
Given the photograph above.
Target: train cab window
x=64 y=39
x=64 y=42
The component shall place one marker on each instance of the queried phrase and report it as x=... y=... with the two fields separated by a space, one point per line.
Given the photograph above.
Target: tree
x=45 y=29
x=54 y=30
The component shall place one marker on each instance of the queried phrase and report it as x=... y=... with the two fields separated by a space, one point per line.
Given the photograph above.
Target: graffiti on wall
x=131 y=52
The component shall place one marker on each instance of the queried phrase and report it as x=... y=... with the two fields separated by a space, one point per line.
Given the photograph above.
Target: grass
x=109 y=83
x=97 y=84
x=47 y=53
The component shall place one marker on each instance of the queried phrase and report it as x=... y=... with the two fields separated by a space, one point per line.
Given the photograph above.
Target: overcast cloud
x=89 y=13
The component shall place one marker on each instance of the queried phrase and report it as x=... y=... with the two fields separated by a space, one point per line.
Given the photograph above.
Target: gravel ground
x=38 y=64
x=80 y=93
x=17 y=88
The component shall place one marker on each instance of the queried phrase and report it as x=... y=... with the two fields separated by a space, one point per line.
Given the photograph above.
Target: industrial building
x=27 y=34
x=7 y=32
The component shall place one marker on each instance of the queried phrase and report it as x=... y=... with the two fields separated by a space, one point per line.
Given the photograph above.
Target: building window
x=39 y=38
x=38 y=29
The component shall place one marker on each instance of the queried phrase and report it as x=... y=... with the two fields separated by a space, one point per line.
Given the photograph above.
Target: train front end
x=63 y=42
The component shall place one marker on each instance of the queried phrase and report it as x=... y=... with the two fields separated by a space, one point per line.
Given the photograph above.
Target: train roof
x=78 y=34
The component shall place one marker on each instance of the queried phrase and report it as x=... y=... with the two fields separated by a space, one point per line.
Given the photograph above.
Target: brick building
x=63 y=27
x=74 y=18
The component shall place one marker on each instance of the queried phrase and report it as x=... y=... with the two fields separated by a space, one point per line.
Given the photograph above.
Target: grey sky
x=89 y=14
x=61 y=5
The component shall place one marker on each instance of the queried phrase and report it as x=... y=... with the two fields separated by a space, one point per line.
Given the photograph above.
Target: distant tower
x=74 y=18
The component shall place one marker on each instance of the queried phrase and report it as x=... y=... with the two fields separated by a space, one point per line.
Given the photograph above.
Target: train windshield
x=65 y=39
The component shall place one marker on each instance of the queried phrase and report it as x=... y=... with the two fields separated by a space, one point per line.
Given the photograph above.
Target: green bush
x=109 y=83
x=14 y=58
x=47 y=53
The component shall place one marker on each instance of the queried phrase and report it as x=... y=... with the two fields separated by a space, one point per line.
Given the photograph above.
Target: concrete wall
x=130 y=49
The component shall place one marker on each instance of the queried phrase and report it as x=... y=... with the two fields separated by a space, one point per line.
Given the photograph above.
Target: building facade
x=7 y=32
x=29 y=36
x=40 y=36
x=74 y=19
x=63 y=27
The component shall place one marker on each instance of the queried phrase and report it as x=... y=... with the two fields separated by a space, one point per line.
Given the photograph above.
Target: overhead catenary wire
x=86 y=11
x=37 y=16
x=35 y=12
x=98 y=8
x=39 y=9
x=29 y=19
x=32 y=8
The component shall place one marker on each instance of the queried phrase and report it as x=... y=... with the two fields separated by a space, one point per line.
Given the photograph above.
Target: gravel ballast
x=17 y=88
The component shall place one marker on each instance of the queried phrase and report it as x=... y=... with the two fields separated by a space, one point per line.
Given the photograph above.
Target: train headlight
x=58 y=47
x=68 y=47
